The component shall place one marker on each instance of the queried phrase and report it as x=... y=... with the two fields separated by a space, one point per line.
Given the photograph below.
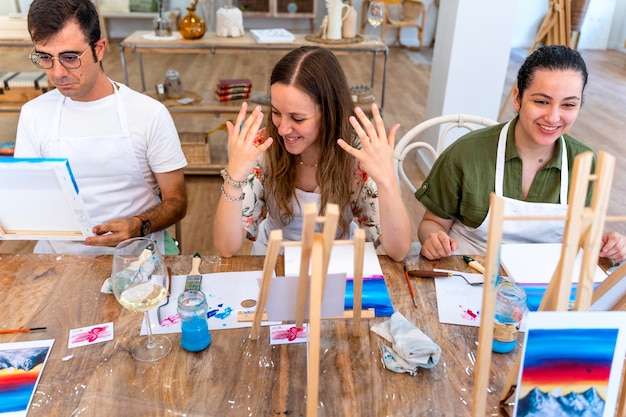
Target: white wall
x=604 y=25
x=8 y=6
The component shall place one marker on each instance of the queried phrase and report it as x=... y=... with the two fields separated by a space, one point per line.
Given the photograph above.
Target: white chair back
x=410 y=142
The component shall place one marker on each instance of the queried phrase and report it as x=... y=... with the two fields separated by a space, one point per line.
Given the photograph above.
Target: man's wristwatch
x=146 y=227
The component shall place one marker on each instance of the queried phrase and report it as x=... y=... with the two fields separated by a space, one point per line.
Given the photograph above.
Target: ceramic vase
x=192 y=26
x=336 y=14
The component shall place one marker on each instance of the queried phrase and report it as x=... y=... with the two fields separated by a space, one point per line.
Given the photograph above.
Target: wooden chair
x=410 y=141
x=399 y=14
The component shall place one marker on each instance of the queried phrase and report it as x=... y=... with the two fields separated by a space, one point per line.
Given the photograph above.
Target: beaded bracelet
x=229 y=198
x=228 y=179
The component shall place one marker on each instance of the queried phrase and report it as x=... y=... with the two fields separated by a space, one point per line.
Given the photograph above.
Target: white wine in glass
x=376 y=13
x=140 y=282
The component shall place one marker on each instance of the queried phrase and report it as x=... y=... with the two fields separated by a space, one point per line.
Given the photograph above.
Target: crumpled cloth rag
x=411 y=348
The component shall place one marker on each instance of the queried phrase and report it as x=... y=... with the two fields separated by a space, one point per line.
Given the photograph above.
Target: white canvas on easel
x=41 y=201
x=282 y=296
x=536 y=262
x=341 y=260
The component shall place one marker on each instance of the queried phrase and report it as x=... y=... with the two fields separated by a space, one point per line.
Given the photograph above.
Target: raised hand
x=243 y=147
x=376 y=153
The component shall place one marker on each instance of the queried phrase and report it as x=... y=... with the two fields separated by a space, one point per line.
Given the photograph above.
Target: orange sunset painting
x=21 y=365
x=566 y=372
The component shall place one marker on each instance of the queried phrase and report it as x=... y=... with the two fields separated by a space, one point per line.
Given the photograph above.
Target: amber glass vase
x=192 y=26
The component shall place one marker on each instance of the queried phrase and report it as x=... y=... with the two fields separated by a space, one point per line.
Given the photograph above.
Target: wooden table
x=211 y=43
x=235 y=376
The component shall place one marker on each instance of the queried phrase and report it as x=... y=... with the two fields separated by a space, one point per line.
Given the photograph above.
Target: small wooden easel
x=315 y=256
x=583 y=229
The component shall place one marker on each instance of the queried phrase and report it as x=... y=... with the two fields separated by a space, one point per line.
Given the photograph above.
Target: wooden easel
x=315 y=255
x=555 y=29
x=583 y=229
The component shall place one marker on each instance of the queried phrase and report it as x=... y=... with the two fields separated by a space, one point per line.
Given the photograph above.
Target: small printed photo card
x=283 y=334
x=90 y=335
x=571 y=361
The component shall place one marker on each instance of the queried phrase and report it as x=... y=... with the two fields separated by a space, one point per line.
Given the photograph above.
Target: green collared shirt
x=463 y=177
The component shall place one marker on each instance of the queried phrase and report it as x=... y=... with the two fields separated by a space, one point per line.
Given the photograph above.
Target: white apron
x=292 y=231
x=474 y=240
x=108 y=176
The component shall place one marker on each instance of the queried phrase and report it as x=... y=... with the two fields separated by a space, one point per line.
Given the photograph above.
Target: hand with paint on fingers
x=244 y=147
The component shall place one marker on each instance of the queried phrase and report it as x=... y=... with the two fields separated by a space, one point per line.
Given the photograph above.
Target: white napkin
x=411 y=348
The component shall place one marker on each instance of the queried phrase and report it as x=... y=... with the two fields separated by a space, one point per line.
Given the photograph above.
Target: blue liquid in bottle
x=192 y=309
x=195 y=334
x=500 y=346
x=510 y=310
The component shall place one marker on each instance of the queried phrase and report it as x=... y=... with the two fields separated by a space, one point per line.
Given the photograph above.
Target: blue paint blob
x=225 y=314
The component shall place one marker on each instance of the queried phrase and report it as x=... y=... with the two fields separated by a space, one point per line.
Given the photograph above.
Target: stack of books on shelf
x=233 y=89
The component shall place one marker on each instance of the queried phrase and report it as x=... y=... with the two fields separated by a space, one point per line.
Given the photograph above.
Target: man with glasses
x=122 y=146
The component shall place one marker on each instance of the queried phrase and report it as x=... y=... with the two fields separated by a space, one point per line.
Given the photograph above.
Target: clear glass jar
x=173 y=84
x=193 y=309
x=509 y=313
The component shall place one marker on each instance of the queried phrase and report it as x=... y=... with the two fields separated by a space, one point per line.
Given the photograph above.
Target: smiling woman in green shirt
x=527 y=160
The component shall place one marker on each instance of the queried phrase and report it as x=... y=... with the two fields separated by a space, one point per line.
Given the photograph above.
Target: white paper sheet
x=457 y=301
x=225 y=293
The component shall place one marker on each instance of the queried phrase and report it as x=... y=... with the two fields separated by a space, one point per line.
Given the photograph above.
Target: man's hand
x=113 y=232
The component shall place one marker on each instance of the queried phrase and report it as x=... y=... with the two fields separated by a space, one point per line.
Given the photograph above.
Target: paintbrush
x=22 y=330
x=194 y=279
x=420 y=273
x=193 y=282
x=128 y=276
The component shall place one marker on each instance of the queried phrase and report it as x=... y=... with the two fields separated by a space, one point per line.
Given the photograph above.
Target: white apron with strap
x=292 y=231
x=474 y=240
x=108 y=176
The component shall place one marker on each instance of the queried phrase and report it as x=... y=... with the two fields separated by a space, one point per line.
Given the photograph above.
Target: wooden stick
x=357 y=304
x=485 y=332
x=315 y=316
x=308 y=229
x=273 y=248
x=556 y=297
x=593 y=233
x=608 y=284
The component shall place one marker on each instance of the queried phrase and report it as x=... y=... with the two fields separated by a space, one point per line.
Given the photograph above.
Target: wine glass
x=376 y=13
x=140 y=281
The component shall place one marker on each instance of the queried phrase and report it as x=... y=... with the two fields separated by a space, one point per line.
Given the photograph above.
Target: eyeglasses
x=70 y=60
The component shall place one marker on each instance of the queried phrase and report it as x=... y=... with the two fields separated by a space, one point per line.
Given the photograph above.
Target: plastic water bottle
x=193 y=309
x=510 y=310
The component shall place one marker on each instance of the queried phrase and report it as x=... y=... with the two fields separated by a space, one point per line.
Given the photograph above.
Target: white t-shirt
x=153 y=133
